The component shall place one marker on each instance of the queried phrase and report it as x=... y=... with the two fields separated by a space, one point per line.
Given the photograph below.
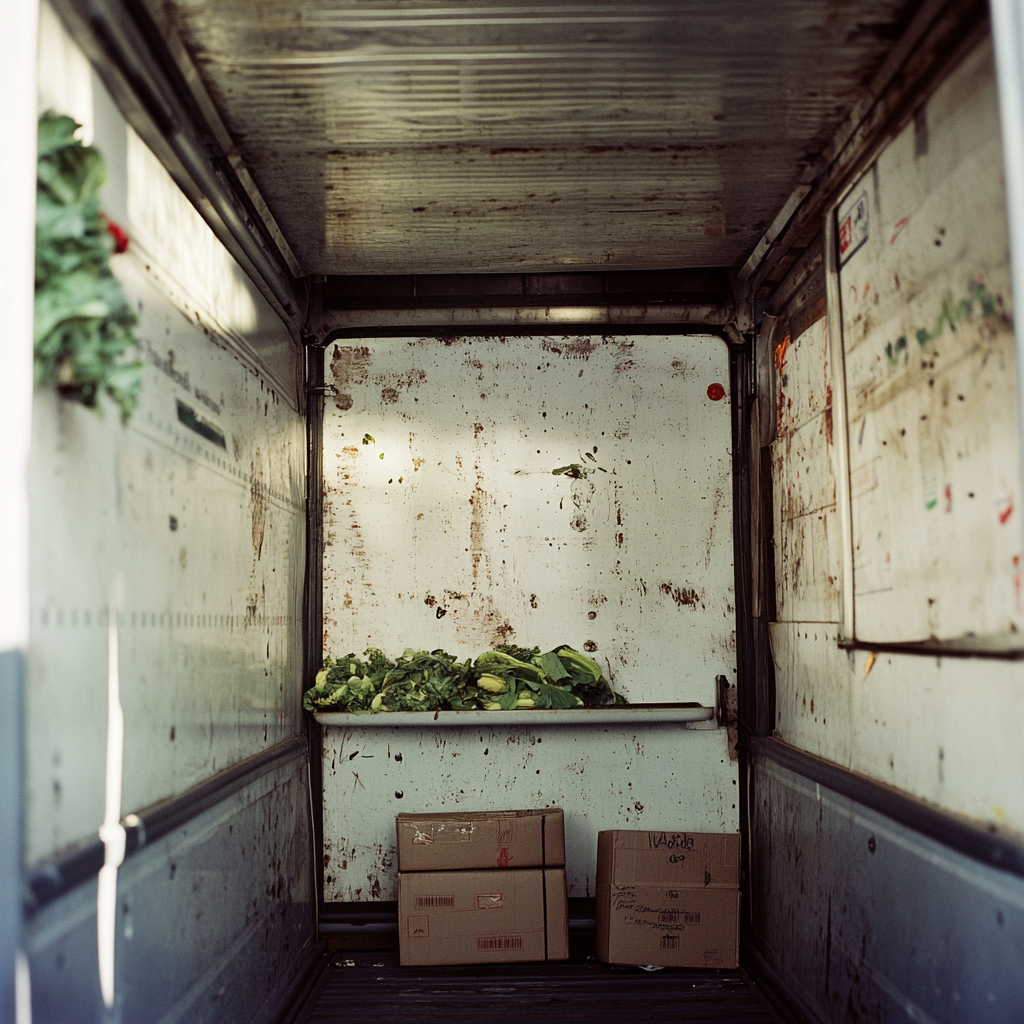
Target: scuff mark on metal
x=683 y=596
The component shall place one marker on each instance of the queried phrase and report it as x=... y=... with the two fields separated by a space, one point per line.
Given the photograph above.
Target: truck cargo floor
x=372 y=987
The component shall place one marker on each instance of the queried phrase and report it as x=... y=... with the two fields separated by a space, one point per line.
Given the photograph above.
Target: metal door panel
x=446 y=527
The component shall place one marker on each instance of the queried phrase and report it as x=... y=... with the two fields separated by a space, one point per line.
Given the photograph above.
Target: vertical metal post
x=840 y=416
x=17 y=213
x=1008 y=39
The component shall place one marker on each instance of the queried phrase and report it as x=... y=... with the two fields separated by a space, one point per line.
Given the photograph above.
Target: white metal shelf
x=630 y=714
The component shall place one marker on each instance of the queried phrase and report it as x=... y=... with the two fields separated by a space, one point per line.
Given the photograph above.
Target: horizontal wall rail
x=971 y=840
x=48 y=881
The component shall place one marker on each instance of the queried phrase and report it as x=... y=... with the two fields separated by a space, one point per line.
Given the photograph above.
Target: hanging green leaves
x=83 y=323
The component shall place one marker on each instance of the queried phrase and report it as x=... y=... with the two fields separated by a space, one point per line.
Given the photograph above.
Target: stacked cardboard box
x=668 y=899
x=482 y=887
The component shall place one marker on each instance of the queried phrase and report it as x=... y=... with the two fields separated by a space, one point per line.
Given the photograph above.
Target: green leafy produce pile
x=506 y=678
x=83 y=323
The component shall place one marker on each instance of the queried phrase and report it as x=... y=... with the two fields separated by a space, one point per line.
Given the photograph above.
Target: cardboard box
x=468 y=840
x=668 y=899
x=668 y=927
x=472 y=917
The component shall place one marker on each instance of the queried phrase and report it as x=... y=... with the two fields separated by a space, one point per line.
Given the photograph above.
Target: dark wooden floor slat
x=372 y=987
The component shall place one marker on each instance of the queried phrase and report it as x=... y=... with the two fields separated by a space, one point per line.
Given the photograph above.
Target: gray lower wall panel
x=213 y=920
x=864 y=919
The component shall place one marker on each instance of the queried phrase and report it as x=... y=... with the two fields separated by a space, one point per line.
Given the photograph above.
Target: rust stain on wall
x=569 y=348
x=349 y=368
x=258 y=504
x=393 y=384
x=683 y=596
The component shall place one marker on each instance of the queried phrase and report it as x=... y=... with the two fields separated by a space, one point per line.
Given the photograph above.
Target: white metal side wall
x=198 y=548
x=946 y=730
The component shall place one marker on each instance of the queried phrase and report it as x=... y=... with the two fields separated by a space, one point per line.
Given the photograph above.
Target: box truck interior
x=746 y=270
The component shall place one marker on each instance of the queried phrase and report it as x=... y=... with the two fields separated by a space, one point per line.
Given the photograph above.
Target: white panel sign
x=928 y=337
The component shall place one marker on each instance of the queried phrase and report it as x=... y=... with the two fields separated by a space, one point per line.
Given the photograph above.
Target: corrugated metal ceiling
x=530 y=137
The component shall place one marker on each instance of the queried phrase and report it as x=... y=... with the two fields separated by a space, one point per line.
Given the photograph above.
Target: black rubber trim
x=967 y=647
x=971 y=840
x=53 y=879
x=313 y=593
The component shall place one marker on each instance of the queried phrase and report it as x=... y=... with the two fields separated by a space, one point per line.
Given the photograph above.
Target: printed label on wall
x=853 y=225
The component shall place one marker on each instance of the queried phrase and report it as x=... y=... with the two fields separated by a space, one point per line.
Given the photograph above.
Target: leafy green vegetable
x=551 y=665
x=519 y=653
x=83 y=323
x=549 y=696
x=503 y=679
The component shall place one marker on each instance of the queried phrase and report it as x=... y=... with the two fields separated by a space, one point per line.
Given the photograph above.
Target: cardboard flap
x=471 y=840
x=691 y=859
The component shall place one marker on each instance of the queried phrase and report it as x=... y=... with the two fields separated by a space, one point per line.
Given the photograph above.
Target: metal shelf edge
x=631 y=715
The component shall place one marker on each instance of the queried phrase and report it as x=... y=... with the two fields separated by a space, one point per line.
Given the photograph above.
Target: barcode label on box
x=671 y=917
x=435 y=902
x=499 y=942
x=670 y=942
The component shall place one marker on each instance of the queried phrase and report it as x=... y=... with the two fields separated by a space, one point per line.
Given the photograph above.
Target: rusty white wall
x=450 y=530
x=198 y=544
x=939 y=420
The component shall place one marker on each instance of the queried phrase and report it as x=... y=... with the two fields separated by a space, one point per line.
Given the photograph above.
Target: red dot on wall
x=716 y=392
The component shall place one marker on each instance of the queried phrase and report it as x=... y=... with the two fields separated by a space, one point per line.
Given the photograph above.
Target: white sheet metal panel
x=448 y=528
x=646 y=777
x=802 y=377
x=213 y=919
x=198 y=540
x=944 y=730
x=201 y=277
x=807 y=568
x=930 y=370
x=807 y=542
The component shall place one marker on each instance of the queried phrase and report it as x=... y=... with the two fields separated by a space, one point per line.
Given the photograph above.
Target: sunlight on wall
x=173 y=233
x=65 y=77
